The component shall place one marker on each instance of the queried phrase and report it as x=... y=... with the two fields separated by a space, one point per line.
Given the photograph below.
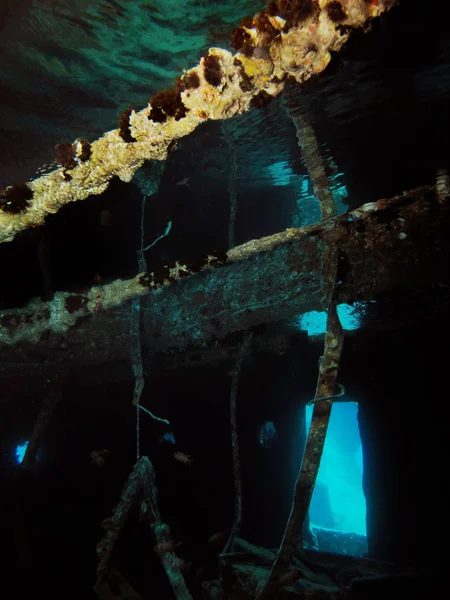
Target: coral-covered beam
x=292 y=39
x=394 y=244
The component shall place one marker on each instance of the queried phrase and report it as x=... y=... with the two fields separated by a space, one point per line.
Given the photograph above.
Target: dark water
x=380 y=114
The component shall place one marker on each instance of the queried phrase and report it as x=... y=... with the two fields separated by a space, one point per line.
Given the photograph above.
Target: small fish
x=267 y=434
x=165 y=547
x=183 y=458
x=167 y=437
x=182 y=564
x=98 y=457
x=288 y=578
x=218 y=539
x=183 y=181
x=105 y=218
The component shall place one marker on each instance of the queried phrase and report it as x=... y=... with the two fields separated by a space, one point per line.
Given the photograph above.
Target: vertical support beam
x=328 y=368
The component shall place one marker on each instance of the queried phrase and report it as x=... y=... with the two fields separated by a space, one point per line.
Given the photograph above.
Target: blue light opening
x=338 y=502
x=20 y=451
x=315 y=322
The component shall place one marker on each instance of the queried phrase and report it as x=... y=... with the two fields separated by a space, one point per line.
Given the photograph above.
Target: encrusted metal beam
x=383 y=246
x=289 y=39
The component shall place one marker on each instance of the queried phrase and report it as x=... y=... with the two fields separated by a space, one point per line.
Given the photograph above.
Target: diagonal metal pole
x=328 y=367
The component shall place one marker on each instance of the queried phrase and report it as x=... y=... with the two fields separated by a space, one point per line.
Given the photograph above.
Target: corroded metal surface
x=391 y=245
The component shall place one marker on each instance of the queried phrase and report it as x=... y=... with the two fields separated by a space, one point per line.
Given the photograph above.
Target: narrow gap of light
x=20 y=451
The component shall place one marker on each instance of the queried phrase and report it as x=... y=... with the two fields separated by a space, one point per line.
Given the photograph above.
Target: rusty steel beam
x=391 y=245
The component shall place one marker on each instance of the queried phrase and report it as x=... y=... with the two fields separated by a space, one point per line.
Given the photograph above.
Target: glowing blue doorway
x=338 y=502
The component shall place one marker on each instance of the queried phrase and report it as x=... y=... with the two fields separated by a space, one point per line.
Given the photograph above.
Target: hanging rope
x=152 y=415
x=138 y=433
x=135 y=336
x=231 y=185
x=235 y=441
x=135 y=332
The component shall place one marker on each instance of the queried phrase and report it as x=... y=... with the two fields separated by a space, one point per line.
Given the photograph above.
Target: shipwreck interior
x=172 y=346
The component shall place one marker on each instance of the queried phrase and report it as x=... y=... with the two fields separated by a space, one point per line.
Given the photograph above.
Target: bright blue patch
x=315 y=322
x=167 y=437
x=338 y=501
x=267 y=434
x=20 y=451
